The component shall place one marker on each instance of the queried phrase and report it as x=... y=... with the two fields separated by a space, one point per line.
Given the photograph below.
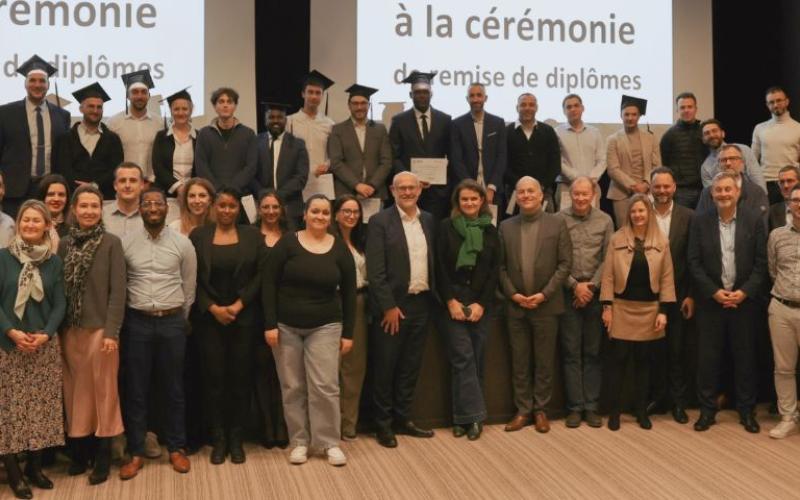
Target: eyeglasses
x=730 y=159
x=156 y=204
x=350 y=212
x=795 y=201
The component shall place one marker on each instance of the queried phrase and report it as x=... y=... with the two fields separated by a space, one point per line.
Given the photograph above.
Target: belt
x=161 y=312
x=788 y=303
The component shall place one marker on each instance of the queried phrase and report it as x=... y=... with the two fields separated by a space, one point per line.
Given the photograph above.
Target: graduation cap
x=363 y=91
x=419 y=77
x=36 y=65
x=318 y=80
x=639 y=103
x=57 y=101
x=140 y=78
x=181 y=94
x=93 y=90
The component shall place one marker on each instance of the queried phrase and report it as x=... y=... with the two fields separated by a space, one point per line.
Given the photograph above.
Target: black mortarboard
x=268 y=106
x=318 y=79
x=141 y=77
x=55 y=100
x=36 y=63
x=93 y=90
x=356 y=89
x=181 y=94
x=641 y=104
x=419 y=77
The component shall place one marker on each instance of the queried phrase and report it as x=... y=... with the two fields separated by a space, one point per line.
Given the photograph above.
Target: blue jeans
x=466 y=348
x=153 y=344
x=581 y=336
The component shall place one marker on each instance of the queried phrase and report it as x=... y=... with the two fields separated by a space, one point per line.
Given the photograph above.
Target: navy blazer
x=407 y=143
x=705 y=254
x=15 y=144
x=388 y=267
x=464 y=149
x=292 y=171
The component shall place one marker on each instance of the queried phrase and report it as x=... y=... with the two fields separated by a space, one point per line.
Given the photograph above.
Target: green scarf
x=472 y=232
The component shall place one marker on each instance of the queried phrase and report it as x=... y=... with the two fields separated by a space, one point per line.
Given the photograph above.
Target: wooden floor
x=669 y=461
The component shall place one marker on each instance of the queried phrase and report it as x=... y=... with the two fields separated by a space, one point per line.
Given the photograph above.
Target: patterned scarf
x=29 y=285
x=81 y=247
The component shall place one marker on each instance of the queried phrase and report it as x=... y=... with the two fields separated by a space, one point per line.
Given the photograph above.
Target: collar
x=116 y=210
x=483 y=118
x=669 y=212
x=532 y=217
x=784 y=118
x=569 y=126
x=31 y=107
x=518 y=124
x=147 y=116
x=161 y=233
x=792 y=228
x=733 y=219
x=279 y=138
x=405 y=218
x=215 y=124
x=192 y=132
x=357 y=125
x=82 y=128
x=571 y=212
x=418 y=113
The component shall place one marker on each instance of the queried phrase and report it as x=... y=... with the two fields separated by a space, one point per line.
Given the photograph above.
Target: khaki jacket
x=617 y=265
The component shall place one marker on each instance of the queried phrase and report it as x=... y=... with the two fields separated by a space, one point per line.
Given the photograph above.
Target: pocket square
x=491 y=134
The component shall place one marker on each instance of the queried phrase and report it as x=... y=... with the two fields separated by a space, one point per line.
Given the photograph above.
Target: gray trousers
x=532 y=337
x=784 y=329
x=308 y=367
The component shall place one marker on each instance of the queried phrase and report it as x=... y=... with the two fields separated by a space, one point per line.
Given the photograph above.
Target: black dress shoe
x=408 y=428
x=219 y=447
x=474 y=431
x=235 y=447
x=644 y=421
x=459 y=430
x=704 y=422
x=386 y=438
x=33 y=471
x=613 y=422
x=749 y=423
x=679 y=415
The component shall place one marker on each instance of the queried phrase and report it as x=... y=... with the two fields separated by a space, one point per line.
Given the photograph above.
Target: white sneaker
x=336 y=456
x=784 y=429
x=299 y=455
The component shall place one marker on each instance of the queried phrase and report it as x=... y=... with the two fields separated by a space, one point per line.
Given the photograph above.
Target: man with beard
x=136 y=127
x=683 y=152
x=422 y=132
x=28 y=132
x=282 y=162
x=714 y=139
x=731 y=160
x=776 y=142
x=780 y=214
x=90 y=152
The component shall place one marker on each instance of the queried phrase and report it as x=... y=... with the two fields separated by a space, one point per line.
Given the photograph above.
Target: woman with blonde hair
x=195 y=200
x=636 y=288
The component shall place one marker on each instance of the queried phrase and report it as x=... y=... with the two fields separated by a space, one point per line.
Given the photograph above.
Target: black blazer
x=482 y=281
x=73 y=161
x=407 y=143
x=777 y=215
x=679 y=230
x=15 y=144
x=388 y=267
x=464 y=150
x=247 y=275
x=705 y=255
x=292 y=171
x=163 y=153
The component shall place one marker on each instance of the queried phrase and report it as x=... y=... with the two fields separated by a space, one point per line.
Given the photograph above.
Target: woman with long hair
x=54 y=193
x=195 y=199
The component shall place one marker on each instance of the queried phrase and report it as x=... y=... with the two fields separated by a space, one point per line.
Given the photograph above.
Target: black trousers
x=640 y=353
x=670 y=363
x=397 y=359
x=227 y=360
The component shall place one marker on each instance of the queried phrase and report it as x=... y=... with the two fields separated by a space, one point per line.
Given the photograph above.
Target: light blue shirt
x=727 y=243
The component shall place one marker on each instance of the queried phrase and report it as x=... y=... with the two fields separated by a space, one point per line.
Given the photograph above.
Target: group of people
x=128 y=317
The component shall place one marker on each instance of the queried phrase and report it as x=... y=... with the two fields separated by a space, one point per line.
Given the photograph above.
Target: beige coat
x=618 y=158
x=635 y=320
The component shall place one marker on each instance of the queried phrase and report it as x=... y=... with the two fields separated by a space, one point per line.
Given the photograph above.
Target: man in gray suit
x=536 y=258
x=359 y=150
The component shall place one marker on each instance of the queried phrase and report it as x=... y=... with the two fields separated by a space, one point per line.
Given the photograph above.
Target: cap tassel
x=371 y=121
x=326 y=103
x=58 y=99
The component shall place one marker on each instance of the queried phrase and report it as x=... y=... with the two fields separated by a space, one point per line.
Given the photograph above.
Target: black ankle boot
x=33 y=471
x=102 y=461
x=235 y=446
x=15 y=479
x=219 y=447
x=77 y=451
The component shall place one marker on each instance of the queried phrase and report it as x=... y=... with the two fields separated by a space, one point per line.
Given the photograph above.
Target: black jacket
x=163 y=153
x=73 y=161
x=683 y=151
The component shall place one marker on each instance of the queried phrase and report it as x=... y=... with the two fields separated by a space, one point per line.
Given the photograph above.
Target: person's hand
x=235 y=308
x=535 y=299
x=641 y=187
x=221 y=314
x=721 y=296
x=365 y=190
x=661 y=322
x=391 y=320
x=39 y=338
x=345 y=346
x=607 y=317
x=456 y=310
x=476 y=312
x=272 y=337
x=425 y=185
x=321 y=169
x=109 y=346
x=736 y=298
x=490 y=196
x=584 y=292
x=687 y=308
x=521 y=301
x=22 y=340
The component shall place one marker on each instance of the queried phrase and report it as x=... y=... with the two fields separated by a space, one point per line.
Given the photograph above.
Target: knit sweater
x=776 y=143
x=230 y=162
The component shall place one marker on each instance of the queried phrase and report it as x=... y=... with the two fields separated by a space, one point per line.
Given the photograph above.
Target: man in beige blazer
x=359 y=150
x=630 y=155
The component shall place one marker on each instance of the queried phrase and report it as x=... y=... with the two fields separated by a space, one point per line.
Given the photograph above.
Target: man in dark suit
x=674 y=220
x=359 y=150
x=753 y=197
x=90 y=152
x=422 y=132
x=478 y=145
x=728 y=264
x=28 y=132
x=779 y=213
x=400 y=270
x=536 y=258
x=282 y=163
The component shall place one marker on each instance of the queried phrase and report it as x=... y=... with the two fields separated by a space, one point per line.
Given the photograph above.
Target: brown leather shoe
x=517 y=423
x=542 y=425
x=179 y=462
x=129 y=470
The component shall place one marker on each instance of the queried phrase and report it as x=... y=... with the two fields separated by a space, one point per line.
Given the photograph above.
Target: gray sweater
x=106 y=284
x=230 y=162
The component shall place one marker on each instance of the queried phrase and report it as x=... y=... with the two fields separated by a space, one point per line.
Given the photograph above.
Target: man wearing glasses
x=776 y=142
x=731 y=160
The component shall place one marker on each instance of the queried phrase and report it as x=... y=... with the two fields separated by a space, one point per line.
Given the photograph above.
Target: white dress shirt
x=418 y=114
x=276 y=144
x=137 y=136
x=89 y=138
x=361 y=133
x=664 y=221
x=727 y=243
x=30 y=109
x=314 y=131
x=417 y=252
x=182 y=159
